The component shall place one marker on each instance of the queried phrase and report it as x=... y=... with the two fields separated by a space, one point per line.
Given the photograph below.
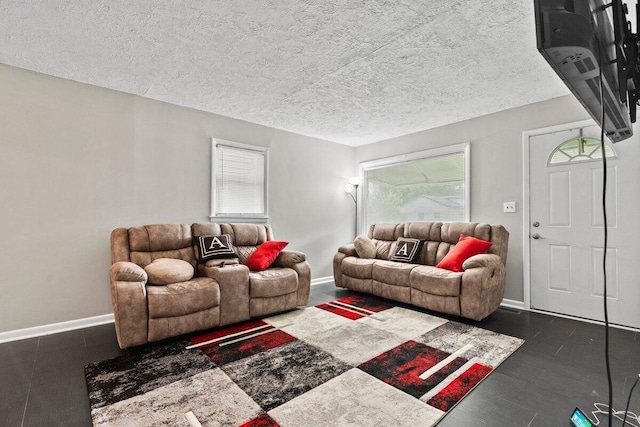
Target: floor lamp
x=352 y=189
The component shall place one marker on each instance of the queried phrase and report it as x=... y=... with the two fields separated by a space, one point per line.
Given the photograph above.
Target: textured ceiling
x=349 y=71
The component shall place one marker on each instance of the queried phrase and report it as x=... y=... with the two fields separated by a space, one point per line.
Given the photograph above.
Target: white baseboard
x=54 y=328
x=321 y=280
x=519 y=305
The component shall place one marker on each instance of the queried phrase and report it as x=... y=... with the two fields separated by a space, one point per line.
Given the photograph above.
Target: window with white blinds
x=239 y=180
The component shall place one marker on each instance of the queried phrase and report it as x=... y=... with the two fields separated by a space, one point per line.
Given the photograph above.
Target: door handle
x=536 y=224
x=535 y=236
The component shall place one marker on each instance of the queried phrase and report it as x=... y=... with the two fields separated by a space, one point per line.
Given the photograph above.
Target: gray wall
x=496 y=164
x=77 y=161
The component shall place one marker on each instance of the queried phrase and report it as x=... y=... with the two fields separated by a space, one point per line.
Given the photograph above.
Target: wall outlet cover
x=509 y=207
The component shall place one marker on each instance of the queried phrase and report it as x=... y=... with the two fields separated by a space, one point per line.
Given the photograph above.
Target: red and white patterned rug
x=352 y=362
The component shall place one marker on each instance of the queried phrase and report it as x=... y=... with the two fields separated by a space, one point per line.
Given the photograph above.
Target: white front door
x=566 y=230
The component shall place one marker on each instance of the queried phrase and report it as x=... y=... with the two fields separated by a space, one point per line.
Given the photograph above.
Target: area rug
x=357 y=361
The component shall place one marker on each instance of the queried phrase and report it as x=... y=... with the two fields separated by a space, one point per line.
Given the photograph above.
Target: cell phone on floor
x=579 y=419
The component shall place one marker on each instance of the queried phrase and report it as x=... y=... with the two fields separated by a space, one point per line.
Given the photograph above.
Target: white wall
x=496 y=165
x=77 y=161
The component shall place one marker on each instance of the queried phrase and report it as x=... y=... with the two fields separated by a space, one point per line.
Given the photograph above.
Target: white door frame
x=526 y=255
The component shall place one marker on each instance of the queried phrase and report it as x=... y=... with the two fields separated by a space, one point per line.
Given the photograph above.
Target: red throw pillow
x=264 y=256
x=466 y=247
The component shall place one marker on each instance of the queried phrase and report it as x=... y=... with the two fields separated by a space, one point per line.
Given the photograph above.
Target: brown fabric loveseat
x=221 y=291
x=474 y=293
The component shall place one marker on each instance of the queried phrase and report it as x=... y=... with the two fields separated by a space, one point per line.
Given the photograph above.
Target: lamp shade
x=355 y=181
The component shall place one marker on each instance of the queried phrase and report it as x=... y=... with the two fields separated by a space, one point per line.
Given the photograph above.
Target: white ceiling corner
x=353 y=72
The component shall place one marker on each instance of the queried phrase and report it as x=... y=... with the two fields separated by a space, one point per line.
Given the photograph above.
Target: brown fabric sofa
x=474 y=293
x=221 y=292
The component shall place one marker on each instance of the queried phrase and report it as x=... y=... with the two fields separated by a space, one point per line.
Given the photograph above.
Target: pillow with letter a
x=407 y=249
x=215 y=247
x=466 y=247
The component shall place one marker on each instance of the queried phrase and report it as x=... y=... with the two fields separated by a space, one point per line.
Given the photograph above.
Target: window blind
x=240 y=181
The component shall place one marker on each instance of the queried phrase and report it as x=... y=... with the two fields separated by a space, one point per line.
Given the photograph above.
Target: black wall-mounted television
x=577 y=38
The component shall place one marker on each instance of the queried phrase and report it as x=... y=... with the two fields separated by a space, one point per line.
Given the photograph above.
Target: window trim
x=260 y=218
x=464 y=148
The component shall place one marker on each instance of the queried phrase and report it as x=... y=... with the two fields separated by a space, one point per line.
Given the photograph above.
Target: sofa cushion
x=466 y=247
x=265 y=254
x=179 y=299
x=364 y=247
x=407 y=250
x=159 y=237
x=214 y=247
x=436 y=281
x=164 y=271
x=451 y=231
x=360 y=268
x=272 y=282
x=384 y=248
x=384 y=237
x=423 y=230
x=392 y=272
x=386 y=231
x=246 y=234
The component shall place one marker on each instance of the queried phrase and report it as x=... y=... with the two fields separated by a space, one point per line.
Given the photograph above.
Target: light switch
x=509 y=207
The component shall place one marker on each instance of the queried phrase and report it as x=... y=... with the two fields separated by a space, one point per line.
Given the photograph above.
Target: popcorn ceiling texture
x=348 y=71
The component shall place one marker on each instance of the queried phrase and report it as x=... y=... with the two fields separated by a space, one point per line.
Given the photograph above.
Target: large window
x=431 y=185
x=239 y=180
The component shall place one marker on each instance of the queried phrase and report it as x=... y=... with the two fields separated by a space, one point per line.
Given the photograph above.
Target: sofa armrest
x=125 y=271
x=348 y=250
x=303 y=270
x=129 y=299
x=482 y=287
x=343 y=252
x=233 y=280
x=289 y=259
x=337 y=268
x=482 y=260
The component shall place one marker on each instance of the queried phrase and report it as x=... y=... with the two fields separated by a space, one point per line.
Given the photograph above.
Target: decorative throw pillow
x=364 y=247
x=215 y=247
x=165 y=271
x=407 y=249
x=264 y=256
x=466 y=247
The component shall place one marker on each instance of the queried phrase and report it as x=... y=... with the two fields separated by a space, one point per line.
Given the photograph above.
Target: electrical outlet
x=509 y=207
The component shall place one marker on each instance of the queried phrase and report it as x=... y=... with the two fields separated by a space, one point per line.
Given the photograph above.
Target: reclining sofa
x=474 y=293
x=217 y=292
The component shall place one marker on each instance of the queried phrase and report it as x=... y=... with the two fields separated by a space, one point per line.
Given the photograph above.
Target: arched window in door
x=580 y=149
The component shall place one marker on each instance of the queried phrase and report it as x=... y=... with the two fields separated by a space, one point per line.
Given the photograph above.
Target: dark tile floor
x=560 y=366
